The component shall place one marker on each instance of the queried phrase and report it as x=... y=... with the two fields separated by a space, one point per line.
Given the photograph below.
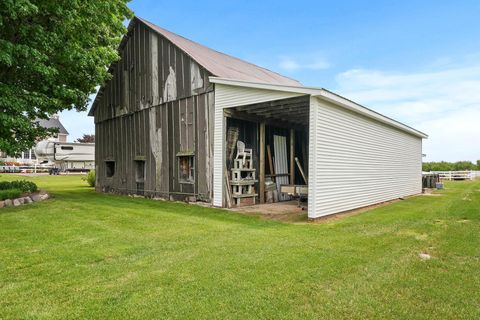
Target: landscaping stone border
x=34 y=197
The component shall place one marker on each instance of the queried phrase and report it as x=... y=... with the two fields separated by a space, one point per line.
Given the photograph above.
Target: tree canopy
x=451 y=166
x=53 y=55
x=87 y=138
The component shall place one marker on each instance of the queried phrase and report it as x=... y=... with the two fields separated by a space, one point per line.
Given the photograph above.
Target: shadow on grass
x=82 y=195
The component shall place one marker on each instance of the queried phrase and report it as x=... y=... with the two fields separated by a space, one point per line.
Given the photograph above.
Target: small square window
x=186 y=169
x=109 y=168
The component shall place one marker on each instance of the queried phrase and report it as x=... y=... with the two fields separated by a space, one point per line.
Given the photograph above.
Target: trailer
x=66 y=156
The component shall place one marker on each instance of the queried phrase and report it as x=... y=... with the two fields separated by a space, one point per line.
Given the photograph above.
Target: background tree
x=53 y=54
x=87 y=138
x=450 y=166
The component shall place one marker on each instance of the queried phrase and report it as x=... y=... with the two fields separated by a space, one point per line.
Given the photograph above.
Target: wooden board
x=281 y=165
x=262 y=162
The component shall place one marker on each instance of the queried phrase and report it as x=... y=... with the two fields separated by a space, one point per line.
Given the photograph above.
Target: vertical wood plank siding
x=132 y=114
x=355 y=161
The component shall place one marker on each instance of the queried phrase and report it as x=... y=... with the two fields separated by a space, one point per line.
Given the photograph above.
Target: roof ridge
x=153 y=26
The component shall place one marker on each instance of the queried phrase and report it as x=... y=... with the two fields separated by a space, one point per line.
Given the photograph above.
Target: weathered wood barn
x=169 y=121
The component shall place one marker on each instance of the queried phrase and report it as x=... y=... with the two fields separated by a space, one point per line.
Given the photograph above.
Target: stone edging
x=34 y=197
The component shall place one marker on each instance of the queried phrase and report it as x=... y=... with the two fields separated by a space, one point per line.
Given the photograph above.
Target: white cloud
x=288 y=64
x=444 y=103
x=453 y=137
x=309 y=63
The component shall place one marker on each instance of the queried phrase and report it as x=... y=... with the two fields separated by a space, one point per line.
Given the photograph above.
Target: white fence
x=458 y=175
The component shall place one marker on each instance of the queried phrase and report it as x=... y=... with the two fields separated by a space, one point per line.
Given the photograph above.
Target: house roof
x=220 y=64
x=53 y=122
x=325 y=95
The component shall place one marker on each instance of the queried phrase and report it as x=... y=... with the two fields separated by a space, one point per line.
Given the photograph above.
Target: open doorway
x=267 y=153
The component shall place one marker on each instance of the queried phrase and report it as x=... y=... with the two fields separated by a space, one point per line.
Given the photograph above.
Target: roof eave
x=325 y=95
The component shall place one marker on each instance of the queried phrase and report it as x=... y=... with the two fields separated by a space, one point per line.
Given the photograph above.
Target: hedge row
x=22 y=185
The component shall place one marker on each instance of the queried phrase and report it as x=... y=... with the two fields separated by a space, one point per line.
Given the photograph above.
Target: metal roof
x=220 y=64
x=53 y=122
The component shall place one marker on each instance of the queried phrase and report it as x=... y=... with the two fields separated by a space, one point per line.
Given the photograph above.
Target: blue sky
x=415 y=61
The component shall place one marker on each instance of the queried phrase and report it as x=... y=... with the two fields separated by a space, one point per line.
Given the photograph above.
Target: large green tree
x=53 y=54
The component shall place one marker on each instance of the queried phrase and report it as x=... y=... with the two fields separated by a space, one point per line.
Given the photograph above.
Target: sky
x=415 y=61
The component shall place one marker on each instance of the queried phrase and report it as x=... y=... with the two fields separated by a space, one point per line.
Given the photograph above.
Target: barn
x=180 y=121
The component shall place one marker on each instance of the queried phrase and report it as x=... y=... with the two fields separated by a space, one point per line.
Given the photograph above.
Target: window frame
x=190 y=158
x=107 y=162
x=137 y=163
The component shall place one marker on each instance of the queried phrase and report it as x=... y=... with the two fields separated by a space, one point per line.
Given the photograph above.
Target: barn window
x=139 y=170
x=140 y=176
x=186 y=168
x=109 y=168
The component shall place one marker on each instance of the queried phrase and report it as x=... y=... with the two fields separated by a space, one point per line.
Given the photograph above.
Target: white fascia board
x=325 y=95
x=266 y=86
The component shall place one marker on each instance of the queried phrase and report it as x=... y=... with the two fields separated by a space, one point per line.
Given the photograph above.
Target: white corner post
x=218 y=156
x=313 y=167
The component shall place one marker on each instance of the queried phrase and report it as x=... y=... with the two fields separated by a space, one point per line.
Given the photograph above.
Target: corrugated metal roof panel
x=220 y=64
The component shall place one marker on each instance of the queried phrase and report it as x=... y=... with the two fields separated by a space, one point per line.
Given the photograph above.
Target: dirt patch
x=412 y=233
x=424 y=256
x=431 y=192
x=287 y=211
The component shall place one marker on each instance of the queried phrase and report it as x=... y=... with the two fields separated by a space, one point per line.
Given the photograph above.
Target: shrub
x=4 y=185
x=10 y=194
x=22 y=185
x=90 y=178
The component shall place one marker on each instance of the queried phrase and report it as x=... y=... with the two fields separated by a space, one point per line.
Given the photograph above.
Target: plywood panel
x=202 y=142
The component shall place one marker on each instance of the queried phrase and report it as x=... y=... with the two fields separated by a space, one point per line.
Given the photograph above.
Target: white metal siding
x=355 y=161
x=227 y=96
x=218 y=156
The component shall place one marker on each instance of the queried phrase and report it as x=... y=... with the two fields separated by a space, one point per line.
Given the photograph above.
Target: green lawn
x=88 y=255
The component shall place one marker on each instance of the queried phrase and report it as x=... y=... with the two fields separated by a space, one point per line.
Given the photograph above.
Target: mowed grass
x=88 y=255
